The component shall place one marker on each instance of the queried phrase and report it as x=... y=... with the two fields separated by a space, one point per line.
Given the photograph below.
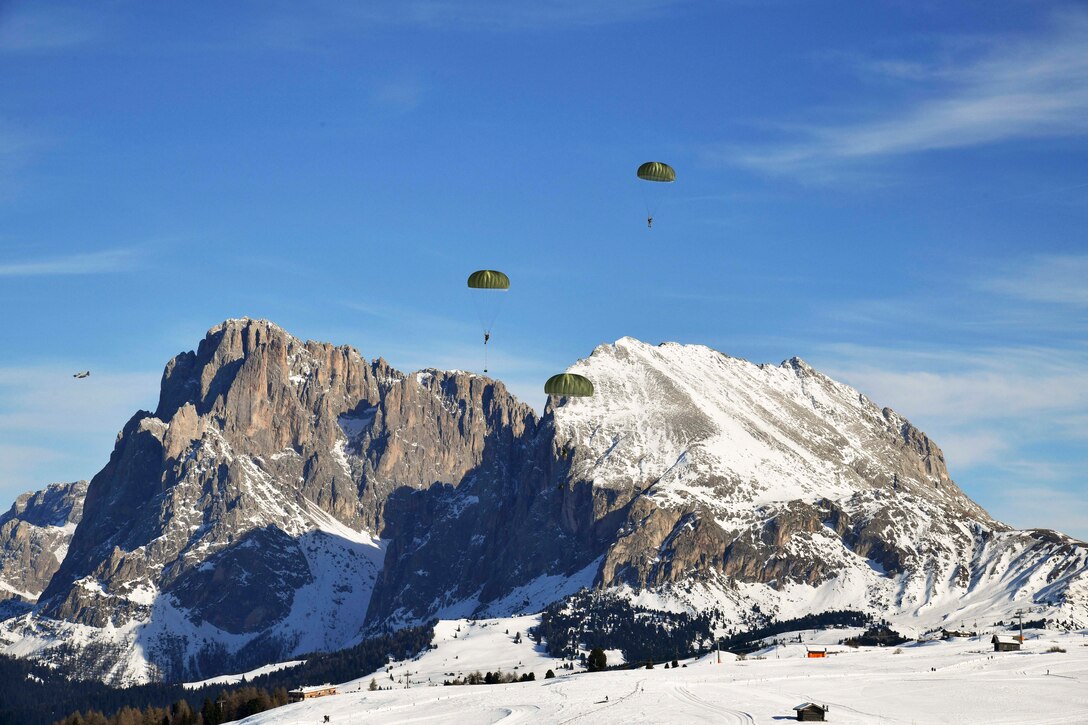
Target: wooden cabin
x=950 y=633
x=1005 y=643
x=308 y=693
x=813 y=653
x=810 y=712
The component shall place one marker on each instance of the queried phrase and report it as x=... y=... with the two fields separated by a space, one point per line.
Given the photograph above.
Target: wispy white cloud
x=400 y=94
x=48 y=399
x=17 y=469
x=17 y=147
x=110 y=260
x=39 y=27
x=1016 y=88
x=960 y=386
x=1059 y=279
x=303 y=28
x=1044 y=507
x=57 y=428
x=503 y=15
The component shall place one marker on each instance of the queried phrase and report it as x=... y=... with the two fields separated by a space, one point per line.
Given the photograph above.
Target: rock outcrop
x=34 y=537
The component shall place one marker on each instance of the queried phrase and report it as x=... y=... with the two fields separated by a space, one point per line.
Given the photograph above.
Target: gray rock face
x=34 y=536
x=289 y=496
x=247 y=508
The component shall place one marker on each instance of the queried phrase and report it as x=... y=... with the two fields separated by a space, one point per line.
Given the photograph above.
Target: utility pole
x=1020 y=616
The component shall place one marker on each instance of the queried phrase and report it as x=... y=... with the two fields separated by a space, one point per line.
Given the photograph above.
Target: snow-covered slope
x=956 y=681
x=701 y=426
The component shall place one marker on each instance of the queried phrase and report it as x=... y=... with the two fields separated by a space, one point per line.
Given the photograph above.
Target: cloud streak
x=1030 y=87
x=57 y=428
x=1044 y=507
x=305 y=29
x=957 y=385
x=42 y=29
x=104 y=262
x=1056 y=279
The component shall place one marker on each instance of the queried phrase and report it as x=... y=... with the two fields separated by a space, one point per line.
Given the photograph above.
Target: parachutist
x=649 y=222
x=487 y=336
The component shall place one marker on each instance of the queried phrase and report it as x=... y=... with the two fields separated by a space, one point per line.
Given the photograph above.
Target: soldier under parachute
x=659 y=172
x=487 y=305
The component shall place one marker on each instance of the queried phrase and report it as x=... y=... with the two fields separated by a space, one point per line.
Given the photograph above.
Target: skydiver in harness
x=649 y=222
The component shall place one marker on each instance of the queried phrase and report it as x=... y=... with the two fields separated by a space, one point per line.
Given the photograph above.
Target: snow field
x=957 y=681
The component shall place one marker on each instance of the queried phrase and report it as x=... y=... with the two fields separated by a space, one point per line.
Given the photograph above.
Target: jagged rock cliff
x=289 y=496
x=34 y=536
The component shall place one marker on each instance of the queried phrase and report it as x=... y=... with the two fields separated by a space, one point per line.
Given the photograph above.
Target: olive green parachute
x=488 y=279
x=656 y=171
x=568 y=384
x=488 y=309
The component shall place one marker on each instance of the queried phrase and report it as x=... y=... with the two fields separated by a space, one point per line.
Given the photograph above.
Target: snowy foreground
x=956 y=681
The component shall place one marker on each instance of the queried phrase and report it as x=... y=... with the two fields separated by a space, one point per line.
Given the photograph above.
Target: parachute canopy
x=656 y=171
x=568 y=384
x=488 y=279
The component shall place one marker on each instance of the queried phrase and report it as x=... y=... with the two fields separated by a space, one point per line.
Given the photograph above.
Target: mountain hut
x=1005 y=643
x=308 y=693
x=810 y=712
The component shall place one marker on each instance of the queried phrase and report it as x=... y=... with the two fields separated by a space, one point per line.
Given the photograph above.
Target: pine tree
x=208 y=712
x=549 y=675
x=597 y=660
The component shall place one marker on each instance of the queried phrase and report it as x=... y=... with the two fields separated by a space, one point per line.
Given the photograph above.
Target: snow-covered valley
x=952 y=681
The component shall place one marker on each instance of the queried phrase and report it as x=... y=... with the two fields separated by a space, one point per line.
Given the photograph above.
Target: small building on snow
x=810 y=712
x=951 y=633
x=1005 y=643
x=308 y=693
x=814 y=652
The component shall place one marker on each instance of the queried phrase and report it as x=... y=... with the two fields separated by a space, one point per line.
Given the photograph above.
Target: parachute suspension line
x=488 y=283
x=649 y=206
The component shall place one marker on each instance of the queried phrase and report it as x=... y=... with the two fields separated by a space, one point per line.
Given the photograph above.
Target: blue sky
x=895 y=191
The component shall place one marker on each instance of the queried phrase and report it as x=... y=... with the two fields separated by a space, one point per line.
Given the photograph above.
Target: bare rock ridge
x=34 y=537
x=290 y=496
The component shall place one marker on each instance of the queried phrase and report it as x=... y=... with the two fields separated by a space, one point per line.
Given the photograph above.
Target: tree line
x=605 y=621
x=35 y=694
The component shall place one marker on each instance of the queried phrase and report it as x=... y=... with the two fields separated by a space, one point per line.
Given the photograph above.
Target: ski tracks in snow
x=519 y=713
x=638 y=686
x=724 y=714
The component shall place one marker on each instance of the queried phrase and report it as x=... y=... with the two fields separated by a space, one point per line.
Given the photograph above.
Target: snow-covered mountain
x=777 y=485
x=288 y=496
